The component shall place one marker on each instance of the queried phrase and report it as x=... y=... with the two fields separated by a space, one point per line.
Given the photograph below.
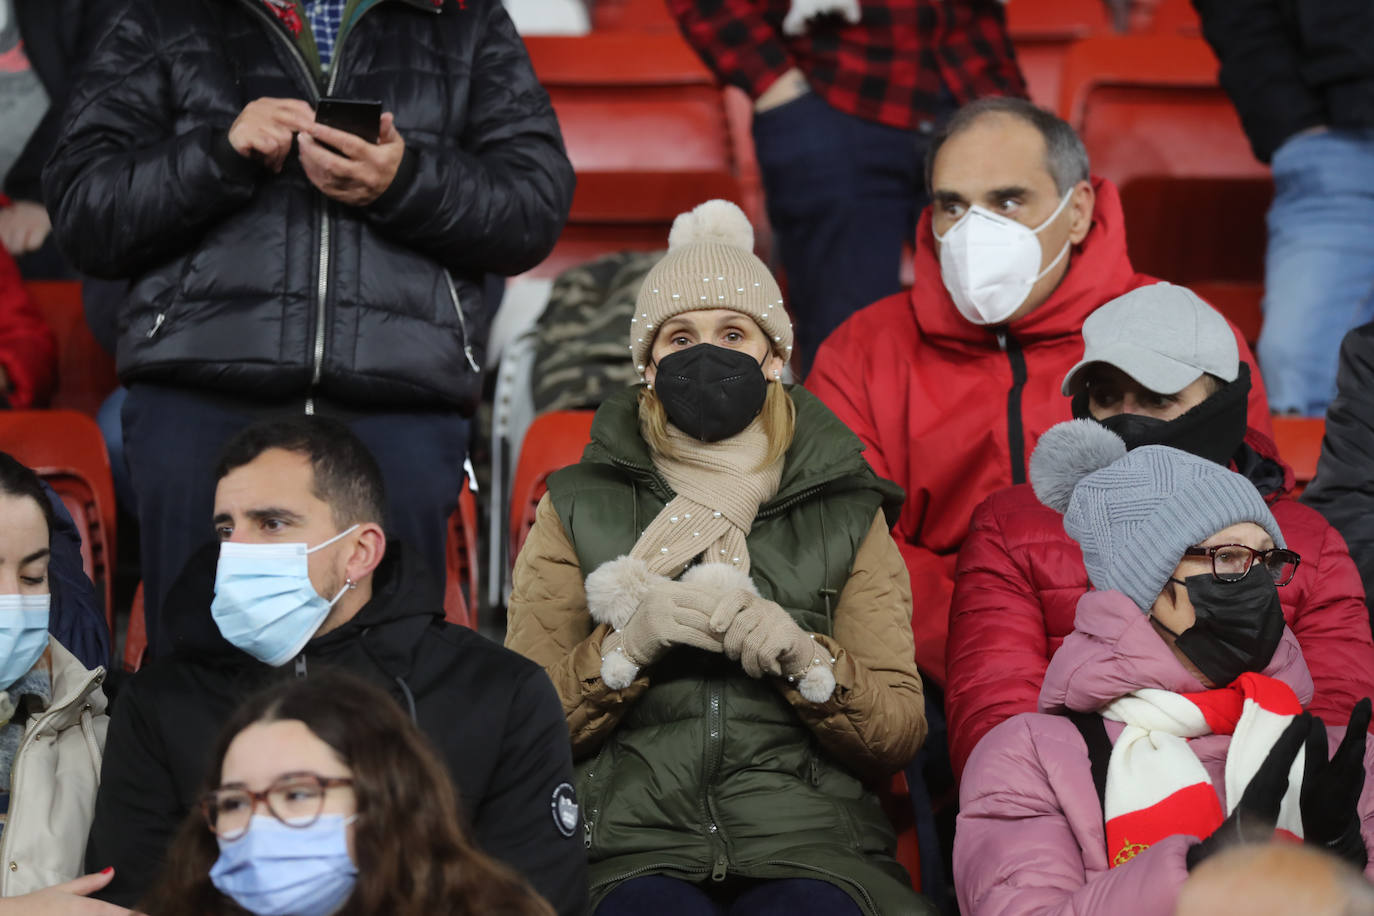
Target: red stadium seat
x=632 y=15
x=65 y=449
x=1300 y=444
x=136 y=641
x=460 y=583
x=555 y=440
x=85 y=372
x=897 y=805
x=1042 y=31
x=1156 y=123
x=1239 y=302
x=646 y=130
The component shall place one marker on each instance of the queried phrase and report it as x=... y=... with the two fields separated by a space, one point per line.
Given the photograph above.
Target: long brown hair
x=413 y=856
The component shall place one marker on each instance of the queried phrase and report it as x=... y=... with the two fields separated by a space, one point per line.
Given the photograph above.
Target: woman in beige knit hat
x=714 y=593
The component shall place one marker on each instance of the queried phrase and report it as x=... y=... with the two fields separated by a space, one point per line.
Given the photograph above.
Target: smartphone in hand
x=360 y=117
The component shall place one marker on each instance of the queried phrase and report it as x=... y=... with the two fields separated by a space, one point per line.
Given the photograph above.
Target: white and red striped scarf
x=1157 y=787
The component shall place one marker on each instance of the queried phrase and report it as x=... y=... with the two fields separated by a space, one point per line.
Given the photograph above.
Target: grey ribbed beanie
x=1135 y=513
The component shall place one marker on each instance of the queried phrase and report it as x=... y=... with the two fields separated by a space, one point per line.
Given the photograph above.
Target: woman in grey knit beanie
x=1171 y=719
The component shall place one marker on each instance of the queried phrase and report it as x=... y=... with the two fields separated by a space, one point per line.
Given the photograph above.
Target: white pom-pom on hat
x=717 y=221
x=1067 y=453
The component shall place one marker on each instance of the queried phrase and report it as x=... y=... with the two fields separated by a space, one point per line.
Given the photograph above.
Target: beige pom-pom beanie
x=710 y=264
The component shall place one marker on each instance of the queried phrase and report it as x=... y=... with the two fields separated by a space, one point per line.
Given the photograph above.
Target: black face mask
x=1213 y=430
x=709 y=392
x=1239 y=625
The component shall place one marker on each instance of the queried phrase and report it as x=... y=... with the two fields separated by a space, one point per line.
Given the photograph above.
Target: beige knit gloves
x=712 y=607
x=670 y=614
x=765 y=639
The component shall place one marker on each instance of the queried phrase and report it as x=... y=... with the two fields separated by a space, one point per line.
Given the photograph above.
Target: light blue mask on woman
x=23 y=634
x=264 y=602
x=276 y=870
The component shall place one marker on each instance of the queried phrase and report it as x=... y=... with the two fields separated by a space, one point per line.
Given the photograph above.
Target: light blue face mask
x=23 y=634
x=264 y=602
x=276 y=870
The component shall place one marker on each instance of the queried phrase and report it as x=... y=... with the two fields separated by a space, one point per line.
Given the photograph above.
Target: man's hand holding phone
x=265 y=128
x=359 y=171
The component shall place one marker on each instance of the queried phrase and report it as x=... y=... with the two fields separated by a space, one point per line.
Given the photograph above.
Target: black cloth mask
x=709 y=392
x=1239 y=624
x=1213 y=430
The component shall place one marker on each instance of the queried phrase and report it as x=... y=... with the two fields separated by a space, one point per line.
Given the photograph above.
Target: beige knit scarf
x=719 y=487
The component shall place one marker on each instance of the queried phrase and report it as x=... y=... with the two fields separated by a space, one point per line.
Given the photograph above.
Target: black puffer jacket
x=1343 y=489
x=1293 y=64
x=255 y=283
x=492 y=715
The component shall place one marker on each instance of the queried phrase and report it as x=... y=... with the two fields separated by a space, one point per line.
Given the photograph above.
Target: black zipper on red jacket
x=1016 y=431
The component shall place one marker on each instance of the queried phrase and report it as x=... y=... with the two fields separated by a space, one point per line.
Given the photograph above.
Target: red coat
x=951 y=411
x=1020 y=577
x=28 y=349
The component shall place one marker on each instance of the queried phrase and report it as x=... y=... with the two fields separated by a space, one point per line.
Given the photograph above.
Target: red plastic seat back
x=85 y=372
x=1156 y=123
x=554 y=440
x=1300 y=445
x=65 y=448
x=136 y=640
x=460 y=582
x=646 y=129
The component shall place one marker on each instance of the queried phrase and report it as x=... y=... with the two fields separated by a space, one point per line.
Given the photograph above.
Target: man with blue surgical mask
x=950 y=384
x=305 y=579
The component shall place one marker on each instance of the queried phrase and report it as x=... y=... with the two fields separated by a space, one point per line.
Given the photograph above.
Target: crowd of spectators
x=1023 y=533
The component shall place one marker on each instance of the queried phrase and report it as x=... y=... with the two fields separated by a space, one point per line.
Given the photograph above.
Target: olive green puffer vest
x=712 y=775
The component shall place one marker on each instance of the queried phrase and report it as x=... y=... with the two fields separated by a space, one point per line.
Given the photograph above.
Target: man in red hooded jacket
x=949 y=386
x=1159 y=367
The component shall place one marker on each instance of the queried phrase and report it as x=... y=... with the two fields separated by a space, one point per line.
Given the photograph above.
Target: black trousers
x=172 y=439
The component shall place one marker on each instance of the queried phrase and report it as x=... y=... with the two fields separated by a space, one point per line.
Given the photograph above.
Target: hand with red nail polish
x=70 y=899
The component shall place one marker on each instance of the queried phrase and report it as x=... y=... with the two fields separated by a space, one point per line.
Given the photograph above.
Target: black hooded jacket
x=1343 y=489
x=492 y=715
x=253 y=283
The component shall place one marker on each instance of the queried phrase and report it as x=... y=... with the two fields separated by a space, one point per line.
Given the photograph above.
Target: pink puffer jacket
x=1030 y=838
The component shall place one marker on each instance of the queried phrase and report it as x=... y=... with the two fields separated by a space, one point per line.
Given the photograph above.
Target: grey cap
x=1134 y=513
x=1163 y=336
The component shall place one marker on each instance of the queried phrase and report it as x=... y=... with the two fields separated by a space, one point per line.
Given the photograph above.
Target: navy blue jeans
x=1319 y=269
x=843 y=196
x=663 y=896
x=172 y=439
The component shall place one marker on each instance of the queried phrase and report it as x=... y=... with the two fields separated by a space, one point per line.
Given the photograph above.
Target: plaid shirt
x=892 y=66
x=326 y=16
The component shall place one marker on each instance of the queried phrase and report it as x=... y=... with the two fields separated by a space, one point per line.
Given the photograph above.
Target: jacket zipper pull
x=815 y=772
x=467 y=351
x=157 y=325
x=300 y=665
x=718 y=872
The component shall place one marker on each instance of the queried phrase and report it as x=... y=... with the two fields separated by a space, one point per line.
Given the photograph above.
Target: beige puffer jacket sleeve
x=548 y=622
x=875 y=721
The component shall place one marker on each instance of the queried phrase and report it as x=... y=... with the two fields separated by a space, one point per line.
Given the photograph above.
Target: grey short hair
x=1066 y=159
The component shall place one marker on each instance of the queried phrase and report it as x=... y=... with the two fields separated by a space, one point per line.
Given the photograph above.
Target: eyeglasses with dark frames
x=1232 y=562
x=295 y=799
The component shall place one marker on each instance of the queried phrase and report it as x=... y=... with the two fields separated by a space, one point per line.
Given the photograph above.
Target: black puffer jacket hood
x=254 y=283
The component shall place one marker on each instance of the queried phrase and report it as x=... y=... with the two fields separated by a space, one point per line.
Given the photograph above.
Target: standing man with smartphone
x=283 y=266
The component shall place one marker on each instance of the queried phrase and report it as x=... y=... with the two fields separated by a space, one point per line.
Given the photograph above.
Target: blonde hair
x=779 y=417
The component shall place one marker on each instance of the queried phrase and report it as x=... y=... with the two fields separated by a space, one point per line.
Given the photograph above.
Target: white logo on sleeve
x=565 y=810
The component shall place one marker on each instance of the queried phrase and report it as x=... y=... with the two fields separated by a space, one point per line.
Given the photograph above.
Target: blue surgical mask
x=23 y=634
x=276 y=870
x=264 y=602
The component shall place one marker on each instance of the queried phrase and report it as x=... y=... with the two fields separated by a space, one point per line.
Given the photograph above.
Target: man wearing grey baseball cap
x=1160 y=367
